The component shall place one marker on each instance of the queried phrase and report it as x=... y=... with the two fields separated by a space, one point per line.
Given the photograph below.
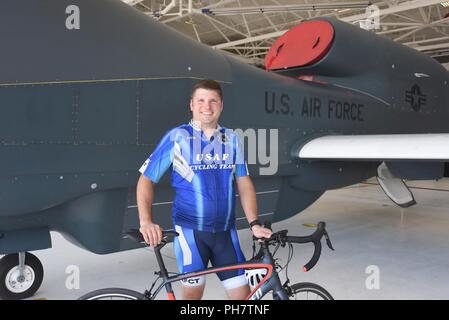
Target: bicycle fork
x=278 y=290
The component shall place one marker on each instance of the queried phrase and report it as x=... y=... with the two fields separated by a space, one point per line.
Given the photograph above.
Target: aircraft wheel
x=21 y=275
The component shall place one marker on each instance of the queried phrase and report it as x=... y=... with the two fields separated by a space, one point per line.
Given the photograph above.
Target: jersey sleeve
x=160 y=160
x=241 y=168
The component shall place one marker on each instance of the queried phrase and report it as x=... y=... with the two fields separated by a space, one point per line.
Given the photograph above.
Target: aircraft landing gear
x=21 y=274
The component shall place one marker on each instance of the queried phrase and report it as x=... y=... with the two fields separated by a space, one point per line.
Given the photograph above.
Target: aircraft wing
x=400 y=154
x=393 y=147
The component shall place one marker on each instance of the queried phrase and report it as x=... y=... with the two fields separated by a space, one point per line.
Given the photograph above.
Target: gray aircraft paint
x=83 y=108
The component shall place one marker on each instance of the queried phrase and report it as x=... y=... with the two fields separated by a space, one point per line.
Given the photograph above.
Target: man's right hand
x=152 y=233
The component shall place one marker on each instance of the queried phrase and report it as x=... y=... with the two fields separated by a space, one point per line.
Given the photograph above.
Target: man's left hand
x=261 y=232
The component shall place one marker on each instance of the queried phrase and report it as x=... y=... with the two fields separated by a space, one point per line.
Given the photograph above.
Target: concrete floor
x=407 y=249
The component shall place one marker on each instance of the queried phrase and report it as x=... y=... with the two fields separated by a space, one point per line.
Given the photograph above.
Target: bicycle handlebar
x=315 y=238
x=277 y=237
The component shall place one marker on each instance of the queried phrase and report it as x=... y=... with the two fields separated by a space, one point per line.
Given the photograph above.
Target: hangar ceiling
x=248 y=28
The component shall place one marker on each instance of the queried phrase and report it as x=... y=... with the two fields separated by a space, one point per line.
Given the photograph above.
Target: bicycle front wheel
x=309 y=291
x=113 y=294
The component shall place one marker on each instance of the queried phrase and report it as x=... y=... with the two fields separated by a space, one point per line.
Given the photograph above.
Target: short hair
x=208 y=85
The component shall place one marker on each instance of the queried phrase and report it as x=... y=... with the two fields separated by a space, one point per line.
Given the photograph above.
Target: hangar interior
x=382 y=251
x=248 y=28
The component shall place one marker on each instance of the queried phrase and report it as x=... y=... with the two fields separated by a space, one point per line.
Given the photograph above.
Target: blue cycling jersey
x=202 y=173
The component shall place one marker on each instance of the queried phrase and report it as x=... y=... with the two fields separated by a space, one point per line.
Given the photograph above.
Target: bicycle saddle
x=135 y=235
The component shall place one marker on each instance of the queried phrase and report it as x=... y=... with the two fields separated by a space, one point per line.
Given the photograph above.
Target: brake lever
x=328 y=241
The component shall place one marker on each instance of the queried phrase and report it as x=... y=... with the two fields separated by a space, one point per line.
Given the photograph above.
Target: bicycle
x=264 y=259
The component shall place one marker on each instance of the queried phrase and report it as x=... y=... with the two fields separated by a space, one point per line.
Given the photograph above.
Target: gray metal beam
x=405 y=6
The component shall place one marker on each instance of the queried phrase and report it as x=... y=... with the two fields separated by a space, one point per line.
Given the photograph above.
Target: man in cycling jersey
x=206 y=163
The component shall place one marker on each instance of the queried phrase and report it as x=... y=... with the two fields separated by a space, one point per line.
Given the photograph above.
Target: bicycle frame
x=270 y=282
x=264 y=259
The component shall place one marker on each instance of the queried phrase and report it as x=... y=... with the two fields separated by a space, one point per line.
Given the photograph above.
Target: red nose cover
x=302 y=45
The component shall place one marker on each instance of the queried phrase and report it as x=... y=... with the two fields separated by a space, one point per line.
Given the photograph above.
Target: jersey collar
x=197 y=128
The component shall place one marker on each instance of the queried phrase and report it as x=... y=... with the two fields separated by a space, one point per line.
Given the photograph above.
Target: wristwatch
x=254 y=223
